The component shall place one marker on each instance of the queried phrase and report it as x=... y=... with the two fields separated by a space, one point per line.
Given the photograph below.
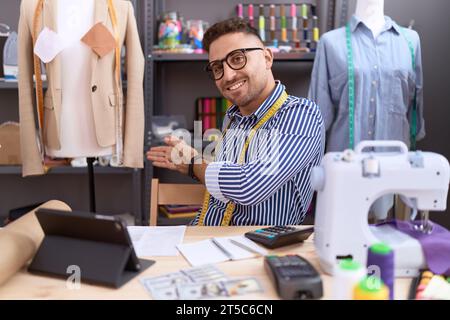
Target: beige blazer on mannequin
x=104 y=99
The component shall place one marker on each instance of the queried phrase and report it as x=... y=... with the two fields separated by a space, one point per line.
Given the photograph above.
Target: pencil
x=221 y=248
x=243 y=246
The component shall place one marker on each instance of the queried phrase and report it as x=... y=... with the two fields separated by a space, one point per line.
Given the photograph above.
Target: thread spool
x=262 y=23
x=294 y=21
x=316 y=34
x=371 y=288
x=294 y=16
x=272 y=26
x=347 y=275
x=283 y=24
x=282 y=11
x=304 y=11
x=305 y=34
x=313 y=10
x=371 y=166
x=250 y=15
x=382 y=256
x=240 y=10
x=305 y=23
x=315 y=25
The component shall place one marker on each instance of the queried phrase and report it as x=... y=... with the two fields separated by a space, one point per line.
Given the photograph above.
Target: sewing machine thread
x=381 y=256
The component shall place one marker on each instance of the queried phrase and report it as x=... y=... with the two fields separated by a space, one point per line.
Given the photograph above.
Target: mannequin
x=371 y=12
x=77 y=133
x=386 y=100
x=84 y=113
x=385 y=82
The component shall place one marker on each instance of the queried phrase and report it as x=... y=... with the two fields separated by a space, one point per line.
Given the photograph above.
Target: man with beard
x=270 y=140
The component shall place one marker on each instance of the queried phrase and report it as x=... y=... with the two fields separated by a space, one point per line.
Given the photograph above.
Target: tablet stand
x=102 y=263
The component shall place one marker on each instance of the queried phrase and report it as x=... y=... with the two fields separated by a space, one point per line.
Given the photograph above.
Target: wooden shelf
x=180 y=57
x=70 y=170
x=8 y=84
x=15 y=85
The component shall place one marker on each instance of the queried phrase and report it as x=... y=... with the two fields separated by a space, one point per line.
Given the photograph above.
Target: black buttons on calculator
x=278 y=236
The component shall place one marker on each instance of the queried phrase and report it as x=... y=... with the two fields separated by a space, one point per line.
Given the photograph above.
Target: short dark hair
x=231 y=25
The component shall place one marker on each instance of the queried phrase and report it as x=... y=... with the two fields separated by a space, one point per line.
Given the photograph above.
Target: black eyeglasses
x=236 y=60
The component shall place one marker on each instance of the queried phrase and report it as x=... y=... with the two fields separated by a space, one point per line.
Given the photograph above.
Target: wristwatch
x=191 y=166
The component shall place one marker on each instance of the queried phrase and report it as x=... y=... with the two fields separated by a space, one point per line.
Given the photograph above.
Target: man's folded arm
x=257 y=180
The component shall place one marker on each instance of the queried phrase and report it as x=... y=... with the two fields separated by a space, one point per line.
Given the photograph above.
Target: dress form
x=371 y=12
x=78 y=137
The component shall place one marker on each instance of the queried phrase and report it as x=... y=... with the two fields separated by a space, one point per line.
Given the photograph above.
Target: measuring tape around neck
x=351 y=90
x=231 y=206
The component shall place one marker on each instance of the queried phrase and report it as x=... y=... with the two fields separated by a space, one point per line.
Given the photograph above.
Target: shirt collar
x=263 y=108
x=389 y=23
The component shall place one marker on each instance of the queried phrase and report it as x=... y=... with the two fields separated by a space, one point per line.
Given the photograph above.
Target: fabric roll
x=20 y=240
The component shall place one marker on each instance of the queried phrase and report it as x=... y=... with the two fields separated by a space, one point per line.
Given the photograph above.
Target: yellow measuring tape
x=37 y=74
x=231 y=206
x=119 y=150
x=39 y=87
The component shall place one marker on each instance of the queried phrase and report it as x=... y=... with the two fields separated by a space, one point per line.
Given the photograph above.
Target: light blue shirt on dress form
x=384 y=84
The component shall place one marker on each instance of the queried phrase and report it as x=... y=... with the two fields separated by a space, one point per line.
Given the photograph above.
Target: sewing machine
x=349 y=182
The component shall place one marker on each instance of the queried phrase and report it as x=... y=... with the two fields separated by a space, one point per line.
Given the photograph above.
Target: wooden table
x=27 y=286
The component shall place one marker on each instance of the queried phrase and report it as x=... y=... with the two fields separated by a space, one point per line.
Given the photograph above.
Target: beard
x=240 y=101
x=246 y=98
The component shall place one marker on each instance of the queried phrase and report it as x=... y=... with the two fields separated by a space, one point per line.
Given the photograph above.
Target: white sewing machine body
x=349 y=182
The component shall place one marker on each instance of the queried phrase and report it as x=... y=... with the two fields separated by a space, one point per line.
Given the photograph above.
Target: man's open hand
x=175 y=156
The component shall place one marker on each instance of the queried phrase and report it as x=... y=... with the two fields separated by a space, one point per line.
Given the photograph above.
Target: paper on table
x=156 y=241
x=201 y=252
x=206 y=252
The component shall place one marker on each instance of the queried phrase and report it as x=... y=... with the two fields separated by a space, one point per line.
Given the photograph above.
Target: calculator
x=294 y=277
x=278 y=236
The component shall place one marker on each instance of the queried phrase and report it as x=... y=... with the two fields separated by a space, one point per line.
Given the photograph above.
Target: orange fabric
x=100 y=40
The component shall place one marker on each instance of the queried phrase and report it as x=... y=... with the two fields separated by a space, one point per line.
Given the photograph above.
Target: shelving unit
x=180 y=57
x=122 y=185
x=172 y=82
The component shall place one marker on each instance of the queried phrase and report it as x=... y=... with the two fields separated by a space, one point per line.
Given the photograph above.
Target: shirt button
x=94 y=88
x=374 y=83
x=372 y=100
x=370 y=133
x=375 y=67
x=370 y=116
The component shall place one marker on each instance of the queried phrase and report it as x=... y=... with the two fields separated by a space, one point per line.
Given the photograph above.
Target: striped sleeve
x=212 y=180
x=291 y=147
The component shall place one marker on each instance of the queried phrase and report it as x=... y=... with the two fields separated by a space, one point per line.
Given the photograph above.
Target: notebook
x=215 y=250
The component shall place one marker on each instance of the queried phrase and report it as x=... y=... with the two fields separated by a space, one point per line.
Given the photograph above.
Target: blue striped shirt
x=272 y=187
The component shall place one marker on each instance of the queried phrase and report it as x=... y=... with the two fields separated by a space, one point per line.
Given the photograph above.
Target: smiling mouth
x=236 y=86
